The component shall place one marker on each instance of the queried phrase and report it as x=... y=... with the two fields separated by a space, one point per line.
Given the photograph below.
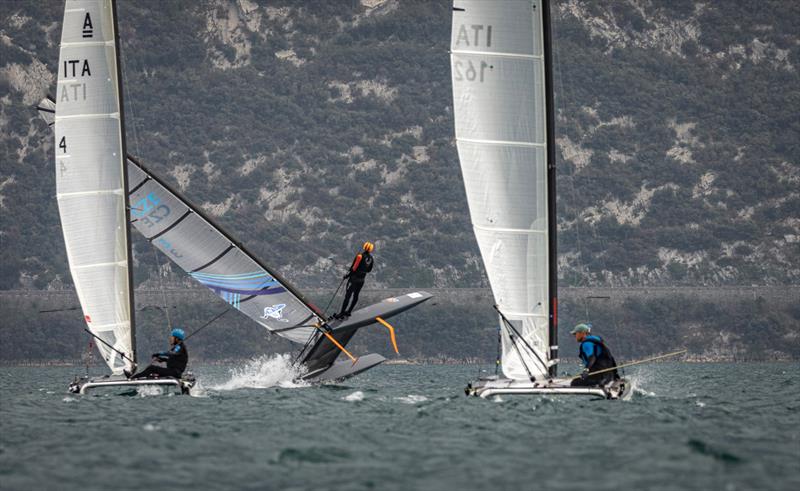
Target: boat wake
x=264 y=372
x=355 y=396
x=638 y=382
x=411 y=399
x=149 y=391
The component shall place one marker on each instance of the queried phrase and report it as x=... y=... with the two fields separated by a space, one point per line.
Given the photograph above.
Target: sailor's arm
x=354 y=266
x=166 y=355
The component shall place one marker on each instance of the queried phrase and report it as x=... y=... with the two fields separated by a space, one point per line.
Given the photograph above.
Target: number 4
x=63 y=144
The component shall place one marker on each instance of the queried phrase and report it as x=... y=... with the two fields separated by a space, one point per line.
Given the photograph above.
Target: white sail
x=90 y=183
x=498 y=74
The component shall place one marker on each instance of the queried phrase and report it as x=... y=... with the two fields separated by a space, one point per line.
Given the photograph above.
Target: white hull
x=85 y=384
x=501 y=386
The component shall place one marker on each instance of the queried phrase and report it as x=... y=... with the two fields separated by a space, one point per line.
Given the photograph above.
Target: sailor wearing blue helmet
x=176 y=359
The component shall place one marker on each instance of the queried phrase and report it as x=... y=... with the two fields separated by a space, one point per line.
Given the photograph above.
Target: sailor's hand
x=584 y=373
x=346 y=275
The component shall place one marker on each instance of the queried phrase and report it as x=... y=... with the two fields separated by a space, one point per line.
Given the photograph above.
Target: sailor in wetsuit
x=595 y=356
x=176 y=359
x=362 y=264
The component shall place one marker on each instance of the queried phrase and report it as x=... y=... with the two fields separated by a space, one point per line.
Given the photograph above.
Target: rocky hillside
x=309 y=127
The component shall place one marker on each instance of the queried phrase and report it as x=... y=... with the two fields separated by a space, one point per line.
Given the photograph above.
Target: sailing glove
x=584 y=373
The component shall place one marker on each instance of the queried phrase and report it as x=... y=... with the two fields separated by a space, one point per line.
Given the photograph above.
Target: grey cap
x=581 y=328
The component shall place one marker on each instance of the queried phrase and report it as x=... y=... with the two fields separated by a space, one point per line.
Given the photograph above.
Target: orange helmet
x=369 y=246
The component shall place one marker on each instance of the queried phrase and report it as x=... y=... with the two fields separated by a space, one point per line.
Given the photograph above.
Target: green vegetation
x=691 y=140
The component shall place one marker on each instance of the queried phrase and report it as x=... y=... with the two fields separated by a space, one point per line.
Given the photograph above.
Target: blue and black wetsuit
x=176 y=358
x=596 y=356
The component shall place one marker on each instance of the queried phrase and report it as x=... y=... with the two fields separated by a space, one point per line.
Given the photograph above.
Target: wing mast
x=131 y=299
x=552 y=226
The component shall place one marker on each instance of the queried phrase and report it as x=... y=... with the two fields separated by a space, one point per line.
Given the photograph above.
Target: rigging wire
x=563 y=104
x=161 y=288
x=137 y=150
x=569 y=94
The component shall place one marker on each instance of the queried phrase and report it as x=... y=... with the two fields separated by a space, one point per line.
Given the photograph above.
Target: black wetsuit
x=362 y=264
x=596 y=356
x=177 y=357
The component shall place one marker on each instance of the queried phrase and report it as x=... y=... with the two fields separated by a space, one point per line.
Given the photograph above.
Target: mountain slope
x=309 y=127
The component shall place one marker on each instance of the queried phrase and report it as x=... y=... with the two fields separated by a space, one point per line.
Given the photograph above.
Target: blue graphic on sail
x=231 y=287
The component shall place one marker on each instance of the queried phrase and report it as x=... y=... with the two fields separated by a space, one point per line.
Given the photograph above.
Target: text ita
x=474 y=35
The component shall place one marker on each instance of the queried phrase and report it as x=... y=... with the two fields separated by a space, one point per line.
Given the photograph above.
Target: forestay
x=498 y=77
x=90 y=179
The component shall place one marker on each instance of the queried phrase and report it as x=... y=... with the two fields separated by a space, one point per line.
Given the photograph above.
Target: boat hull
x=344 y=369
x=116 y=382
x=488 y=387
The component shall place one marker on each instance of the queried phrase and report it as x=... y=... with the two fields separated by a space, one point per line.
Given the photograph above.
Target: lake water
x=687 y=426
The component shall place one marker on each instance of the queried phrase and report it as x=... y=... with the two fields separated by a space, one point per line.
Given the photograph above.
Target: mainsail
x=503 y=126
x=90 y=176
x=210 y=255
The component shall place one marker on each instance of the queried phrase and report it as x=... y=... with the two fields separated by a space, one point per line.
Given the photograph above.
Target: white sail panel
x=89 y=174
x=501 y=133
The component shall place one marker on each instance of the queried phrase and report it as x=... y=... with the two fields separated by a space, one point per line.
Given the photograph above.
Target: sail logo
x=88 y=28
x=275 y=312
x=149 y=210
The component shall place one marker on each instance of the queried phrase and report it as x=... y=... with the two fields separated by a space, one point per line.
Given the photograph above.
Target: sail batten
x=497 y=53
x=509 y=230
x=499 y=103
x=503 y=142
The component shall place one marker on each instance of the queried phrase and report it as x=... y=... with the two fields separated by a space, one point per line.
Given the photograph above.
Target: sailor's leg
x=152 y=370
x=145 y=373
x=583 y=382
x=347 y=294
x=356 y=290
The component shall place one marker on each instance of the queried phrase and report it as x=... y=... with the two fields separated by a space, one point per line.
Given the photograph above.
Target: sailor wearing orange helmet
x=362 y=264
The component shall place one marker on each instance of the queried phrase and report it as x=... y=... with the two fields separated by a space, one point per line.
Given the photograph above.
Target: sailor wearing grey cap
x=595 y=356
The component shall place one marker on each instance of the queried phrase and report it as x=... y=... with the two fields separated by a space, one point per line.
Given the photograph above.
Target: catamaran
x=96 y=188
x=504 y=124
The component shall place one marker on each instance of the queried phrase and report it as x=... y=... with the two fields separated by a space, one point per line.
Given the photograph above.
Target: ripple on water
x=355 y=396
x=311 y=455
x=411 y=399
x=704 y=448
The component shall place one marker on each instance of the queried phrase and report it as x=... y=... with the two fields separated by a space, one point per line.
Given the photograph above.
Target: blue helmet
x=178 y=333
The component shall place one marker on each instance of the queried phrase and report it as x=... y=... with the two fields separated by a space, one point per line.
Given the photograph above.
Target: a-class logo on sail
x=275 y=312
